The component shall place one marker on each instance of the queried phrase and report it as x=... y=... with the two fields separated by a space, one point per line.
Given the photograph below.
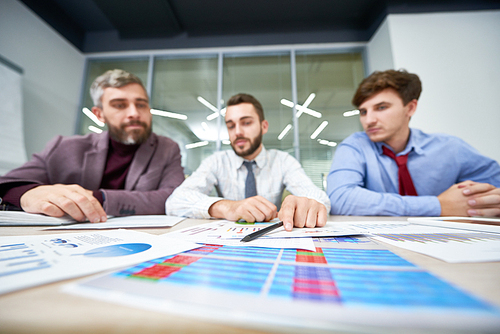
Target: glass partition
x=325 y=86
x=185 y=86
x=268 y=79
x=184 y=91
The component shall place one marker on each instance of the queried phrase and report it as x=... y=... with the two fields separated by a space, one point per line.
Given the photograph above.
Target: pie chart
x=118 y=250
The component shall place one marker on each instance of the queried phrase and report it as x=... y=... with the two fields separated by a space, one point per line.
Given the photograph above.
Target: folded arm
x=348 y=193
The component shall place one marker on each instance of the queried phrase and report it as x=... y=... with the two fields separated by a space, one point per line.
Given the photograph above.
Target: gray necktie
x=250 y=187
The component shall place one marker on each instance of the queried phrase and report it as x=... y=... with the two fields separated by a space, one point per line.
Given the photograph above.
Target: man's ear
x=411 y=107
x=98 y=112
x=265 y=126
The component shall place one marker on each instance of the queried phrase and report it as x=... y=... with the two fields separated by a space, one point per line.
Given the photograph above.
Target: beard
x=131 y=137
x=254 y=145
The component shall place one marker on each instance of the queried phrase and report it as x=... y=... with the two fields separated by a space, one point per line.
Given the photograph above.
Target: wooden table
x=45 y=309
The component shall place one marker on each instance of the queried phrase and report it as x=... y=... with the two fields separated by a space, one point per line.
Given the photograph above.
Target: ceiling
x=118 y=25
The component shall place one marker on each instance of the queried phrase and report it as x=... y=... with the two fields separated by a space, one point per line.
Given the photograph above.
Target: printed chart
x=18 y=258
x=328 y=242
x=230 y=233
x=27 y=261
x=452 y=247
x=325 y=287
x=442 y=237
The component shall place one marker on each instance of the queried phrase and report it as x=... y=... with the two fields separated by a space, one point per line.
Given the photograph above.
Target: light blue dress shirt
x=363 y=181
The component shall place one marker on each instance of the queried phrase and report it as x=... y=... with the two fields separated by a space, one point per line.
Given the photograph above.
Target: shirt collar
x=413 y=144
x=260 y=160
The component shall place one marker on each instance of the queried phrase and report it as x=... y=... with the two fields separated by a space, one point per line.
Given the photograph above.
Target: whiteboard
x=12 y=149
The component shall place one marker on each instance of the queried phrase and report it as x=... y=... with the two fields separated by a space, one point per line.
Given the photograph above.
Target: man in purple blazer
x=126 y=170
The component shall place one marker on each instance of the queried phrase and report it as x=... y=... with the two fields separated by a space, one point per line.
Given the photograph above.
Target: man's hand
x=483 y=199
x=302 y=211
x=59 y=199
x=453 y=201
x=251 y=209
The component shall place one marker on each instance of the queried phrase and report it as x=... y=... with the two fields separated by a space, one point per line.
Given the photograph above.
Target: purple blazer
x=154 y=172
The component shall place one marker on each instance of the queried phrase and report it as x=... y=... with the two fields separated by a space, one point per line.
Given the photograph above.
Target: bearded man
x=249 y=179
x=126 y=170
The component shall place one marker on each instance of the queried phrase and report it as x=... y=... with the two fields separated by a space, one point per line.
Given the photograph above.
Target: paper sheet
x=125 y=222
x=27 y=261
x=237 y=231
x=214 y=233
x=355 y=289
x=481 y=224
x=453 y=245
x=355 y=227
x=21 y=218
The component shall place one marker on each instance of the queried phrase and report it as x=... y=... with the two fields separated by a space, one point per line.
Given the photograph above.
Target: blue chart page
x=347 y=282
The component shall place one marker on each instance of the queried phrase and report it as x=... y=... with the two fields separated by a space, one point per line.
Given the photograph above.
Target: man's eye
x=362 y=112
x=119 y=105
x=382 y=108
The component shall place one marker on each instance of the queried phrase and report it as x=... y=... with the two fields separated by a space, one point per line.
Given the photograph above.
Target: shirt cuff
x=201 y=209
x=99 y=196
x=423 y=206
x=13 y=195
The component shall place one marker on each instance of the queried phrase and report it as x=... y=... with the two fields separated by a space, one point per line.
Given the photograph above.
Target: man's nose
x=132 y=111
x=238 y=130
x=370 y=117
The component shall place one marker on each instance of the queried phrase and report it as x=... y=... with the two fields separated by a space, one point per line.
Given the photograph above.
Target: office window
x=325 y=85
x=96 y=67
x=188 y=86
x=185 y=86
x=268 y=79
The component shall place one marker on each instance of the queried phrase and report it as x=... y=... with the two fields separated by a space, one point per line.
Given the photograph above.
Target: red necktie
x=406 y=186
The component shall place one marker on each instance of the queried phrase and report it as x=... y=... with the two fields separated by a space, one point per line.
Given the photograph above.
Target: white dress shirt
x=274 y=171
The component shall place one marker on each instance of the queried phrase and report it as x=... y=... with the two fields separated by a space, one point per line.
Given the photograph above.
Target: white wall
x=379 y=50
x=457 y=56
x=12 y=148
x=53 y=72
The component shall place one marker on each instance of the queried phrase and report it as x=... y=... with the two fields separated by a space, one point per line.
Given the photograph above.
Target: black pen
x=259 y=233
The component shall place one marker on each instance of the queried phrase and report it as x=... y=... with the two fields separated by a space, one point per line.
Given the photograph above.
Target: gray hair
x=112 y=78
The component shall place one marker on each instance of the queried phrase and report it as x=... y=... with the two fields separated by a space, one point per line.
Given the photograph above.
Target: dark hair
x=407 y=85
x=247 y=98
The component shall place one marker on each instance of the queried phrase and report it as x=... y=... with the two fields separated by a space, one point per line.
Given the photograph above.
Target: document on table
x=451 y=245
x=335 y=229
x=481 y=224
x=125 y=222
x=330 y=230
x=359 y=288
x=21 y=218
x=441 y=240
x=213 y=233
x=27 y=261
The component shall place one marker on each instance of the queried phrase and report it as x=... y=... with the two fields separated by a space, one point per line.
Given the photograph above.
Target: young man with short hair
x=250 y=179
x=394 y=170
